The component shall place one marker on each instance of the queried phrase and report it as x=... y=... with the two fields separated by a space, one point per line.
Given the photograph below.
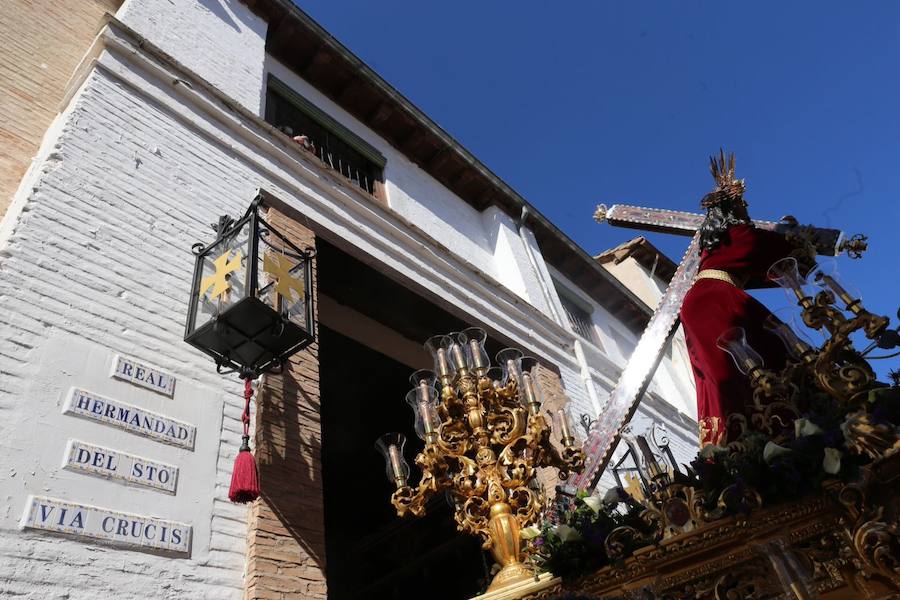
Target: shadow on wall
x=217 y=8
x=289 y=461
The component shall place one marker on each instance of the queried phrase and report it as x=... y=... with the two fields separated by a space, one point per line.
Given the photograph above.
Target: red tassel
x=244 y=480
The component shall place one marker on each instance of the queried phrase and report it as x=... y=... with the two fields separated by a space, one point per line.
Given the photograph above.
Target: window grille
x=579 y=319
x=335 y=145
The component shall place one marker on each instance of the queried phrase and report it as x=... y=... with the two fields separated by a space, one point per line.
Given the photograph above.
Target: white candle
x=396 y=465
x=423 y=391
x=443 y=365
x=458 y=356
x=564 y=430
x=477 y=358
x=528 y=389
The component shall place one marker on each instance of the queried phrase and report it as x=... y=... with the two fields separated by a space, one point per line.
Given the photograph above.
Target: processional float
x=484 y=436
x=625 y=397
x=726 y=527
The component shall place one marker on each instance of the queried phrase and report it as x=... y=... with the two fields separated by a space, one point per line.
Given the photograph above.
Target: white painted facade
x=160 y=134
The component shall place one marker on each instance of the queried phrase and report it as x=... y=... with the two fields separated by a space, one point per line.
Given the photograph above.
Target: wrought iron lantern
x=648 y=464
x=251 y=305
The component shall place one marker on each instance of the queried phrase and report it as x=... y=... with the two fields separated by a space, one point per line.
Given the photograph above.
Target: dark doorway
x=370 y=552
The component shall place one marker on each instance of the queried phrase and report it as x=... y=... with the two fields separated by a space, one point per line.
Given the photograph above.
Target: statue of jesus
x=735 y=256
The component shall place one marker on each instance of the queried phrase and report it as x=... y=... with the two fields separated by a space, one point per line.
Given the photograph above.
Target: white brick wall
x=101 y=254
x=222 y=42
x=96 y=253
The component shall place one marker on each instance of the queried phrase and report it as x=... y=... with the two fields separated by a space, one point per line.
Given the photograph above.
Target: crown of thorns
x=727 y=187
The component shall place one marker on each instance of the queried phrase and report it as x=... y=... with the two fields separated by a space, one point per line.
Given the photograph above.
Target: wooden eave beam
x=350 y=92
x=411 y=141
x=463 y=177
x=321 y=59
x=379 y=115
x=438 y=159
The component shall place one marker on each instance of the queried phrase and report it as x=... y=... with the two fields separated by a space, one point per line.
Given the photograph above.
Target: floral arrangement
x=578 y=540
x=577 y=543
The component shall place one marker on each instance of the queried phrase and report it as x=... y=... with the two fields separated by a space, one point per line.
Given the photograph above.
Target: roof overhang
x=296 y=40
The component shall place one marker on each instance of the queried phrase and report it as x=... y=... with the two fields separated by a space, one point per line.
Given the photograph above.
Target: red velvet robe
x=711 y=306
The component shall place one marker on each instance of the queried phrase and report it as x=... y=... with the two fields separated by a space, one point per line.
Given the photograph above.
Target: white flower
x=832 y=460
x=593 y=502
x=530 y=532
x=804 y=427
x=773 y=450
x=567 y=534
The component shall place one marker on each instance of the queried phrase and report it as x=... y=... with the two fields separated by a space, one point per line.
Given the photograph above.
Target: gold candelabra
x=484 y=438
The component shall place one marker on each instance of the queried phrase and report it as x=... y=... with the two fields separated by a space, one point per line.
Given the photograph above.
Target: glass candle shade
x=423 y=375
x=793 y=317
x=564 y=426
x=439 y=347
x=510 y=361
x=797 y=347
x=734 y=342
x=472 y=340
x=390 y=445
x=825 y=275
x=423 y=402
x=785 y=273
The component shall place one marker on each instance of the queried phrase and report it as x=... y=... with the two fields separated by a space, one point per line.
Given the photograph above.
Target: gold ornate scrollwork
x=867 y=437
x=620 y=540
x=877 y=543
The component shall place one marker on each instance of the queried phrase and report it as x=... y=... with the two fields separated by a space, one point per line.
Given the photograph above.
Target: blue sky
x=579 y=103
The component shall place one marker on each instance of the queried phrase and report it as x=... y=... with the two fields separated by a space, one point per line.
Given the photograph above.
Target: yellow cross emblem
x=633 y=487
x=279 y=266
x=218 y=281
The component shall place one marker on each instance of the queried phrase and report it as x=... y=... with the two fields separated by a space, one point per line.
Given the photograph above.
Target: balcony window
x=579 y=319
x=318 y=133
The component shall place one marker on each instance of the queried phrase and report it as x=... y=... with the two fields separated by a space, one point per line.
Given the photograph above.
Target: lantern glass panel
x=223 y=275
x=282 y=276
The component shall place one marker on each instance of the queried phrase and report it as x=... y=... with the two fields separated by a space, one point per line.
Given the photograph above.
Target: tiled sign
x=131 y=418
x=142 y=375
x=106 y=462
x=80 y=520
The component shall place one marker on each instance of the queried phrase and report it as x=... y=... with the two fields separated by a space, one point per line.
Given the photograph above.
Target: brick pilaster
x=286 y=546
x=554 y=398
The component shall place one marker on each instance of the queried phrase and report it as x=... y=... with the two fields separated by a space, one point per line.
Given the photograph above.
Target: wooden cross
x=623 y=400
